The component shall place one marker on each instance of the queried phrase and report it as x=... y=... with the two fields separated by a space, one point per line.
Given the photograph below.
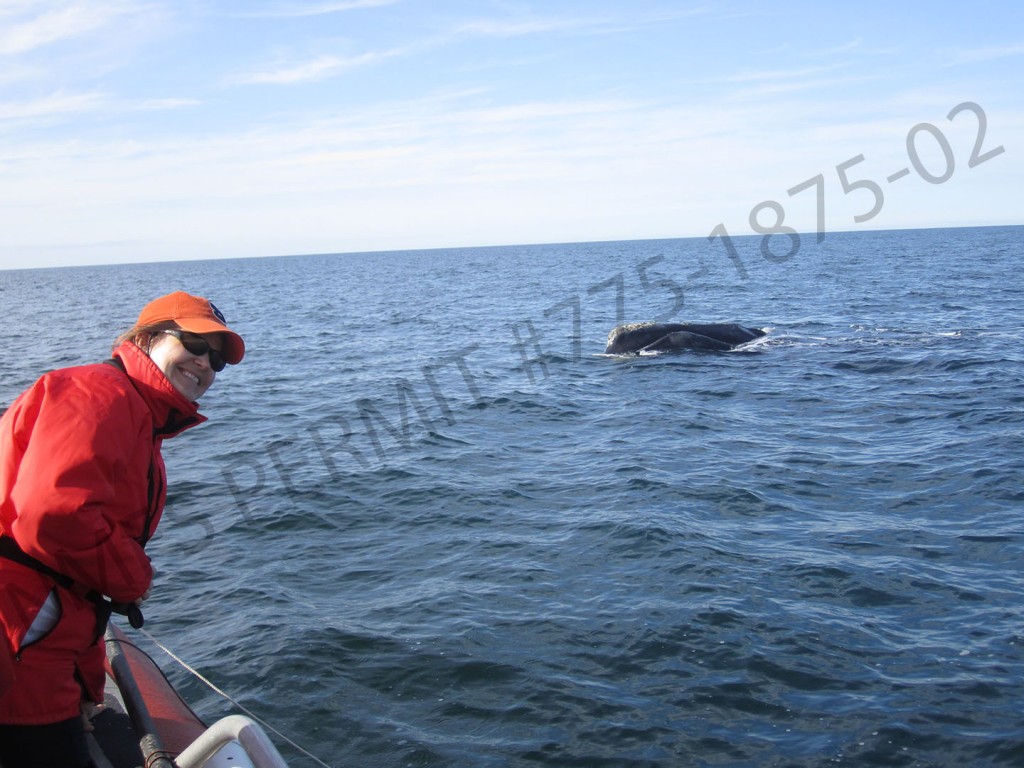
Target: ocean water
x=430 y=524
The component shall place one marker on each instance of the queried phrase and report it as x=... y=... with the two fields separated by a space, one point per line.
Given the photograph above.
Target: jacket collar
x=172 y=412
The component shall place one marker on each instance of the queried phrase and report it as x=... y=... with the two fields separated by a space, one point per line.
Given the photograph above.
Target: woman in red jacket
x=82 y=488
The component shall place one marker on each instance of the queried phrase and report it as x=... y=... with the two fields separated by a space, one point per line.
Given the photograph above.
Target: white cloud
x=40 y=24
x=167 y=103
x=62 y=106
x=525 y=25
x=319 y=68
x=57 y=104
x=988 y=53
x=298 y=10
x=759 y=76
x=325 y=66
x=520 y=27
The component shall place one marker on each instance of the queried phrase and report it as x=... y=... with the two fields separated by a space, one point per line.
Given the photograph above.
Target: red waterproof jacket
x=82 y=487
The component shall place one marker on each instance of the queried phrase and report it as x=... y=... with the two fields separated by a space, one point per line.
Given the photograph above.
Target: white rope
x=224 y=695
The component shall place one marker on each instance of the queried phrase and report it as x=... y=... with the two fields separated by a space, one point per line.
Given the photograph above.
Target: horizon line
x=387 y=251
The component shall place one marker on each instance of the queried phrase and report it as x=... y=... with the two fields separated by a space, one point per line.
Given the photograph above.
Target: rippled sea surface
x=430 y=524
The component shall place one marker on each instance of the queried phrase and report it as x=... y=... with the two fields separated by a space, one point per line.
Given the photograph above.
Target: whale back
x=729 y=333
x=633 y=337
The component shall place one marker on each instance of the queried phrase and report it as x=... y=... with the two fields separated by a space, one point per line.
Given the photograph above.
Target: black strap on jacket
x=10 y=550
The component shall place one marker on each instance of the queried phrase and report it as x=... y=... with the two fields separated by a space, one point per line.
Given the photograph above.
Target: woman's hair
x=142 y=335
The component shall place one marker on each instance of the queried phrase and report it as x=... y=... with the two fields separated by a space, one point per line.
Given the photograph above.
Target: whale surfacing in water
x=676 y=337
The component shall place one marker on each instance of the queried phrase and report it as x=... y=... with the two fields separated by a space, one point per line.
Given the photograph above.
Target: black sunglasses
x=196 y=345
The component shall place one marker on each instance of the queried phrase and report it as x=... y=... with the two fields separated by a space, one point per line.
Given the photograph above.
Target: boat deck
x=113 y=742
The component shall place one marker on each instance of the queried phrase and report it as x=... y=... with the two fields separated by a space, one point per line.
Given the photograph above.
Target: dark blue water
x=430 y=524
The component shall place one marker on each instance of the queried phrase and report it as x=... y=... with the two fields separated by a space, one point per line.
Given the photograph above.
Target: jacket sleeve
x=81 y=490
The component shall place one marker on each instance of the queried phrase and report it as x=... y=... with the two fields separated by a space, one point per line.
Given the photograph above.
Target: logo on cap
x=217 y=313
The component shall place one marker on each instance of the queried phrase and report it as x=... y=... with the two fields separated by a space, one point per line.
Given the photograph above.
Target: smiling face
x=190 y=374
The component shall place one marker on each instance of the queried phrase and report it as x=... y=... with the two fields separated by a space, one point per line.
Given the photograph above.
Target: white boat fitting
x=217 y=747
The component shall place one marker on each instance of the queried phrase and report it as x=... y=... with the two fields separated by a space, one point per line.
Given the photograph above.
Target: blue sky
x=138 y=130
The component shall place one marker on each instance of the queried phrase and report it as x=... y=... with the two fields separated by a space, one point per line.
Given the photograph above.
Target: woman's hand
x=89 y=711
x=149 y=589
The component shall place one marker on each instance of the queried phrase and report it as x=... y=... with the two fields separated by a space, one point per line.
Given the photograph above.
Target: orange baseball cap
x=195 y=314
